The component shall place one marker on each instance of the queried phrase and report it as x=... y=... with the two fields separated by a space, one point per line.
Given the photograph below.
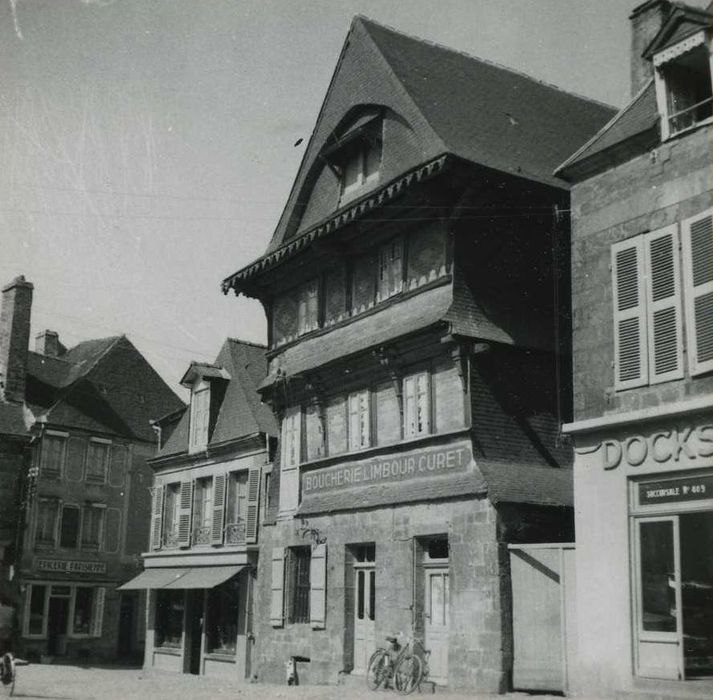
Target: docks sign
x=70 y=566
x=434 y=461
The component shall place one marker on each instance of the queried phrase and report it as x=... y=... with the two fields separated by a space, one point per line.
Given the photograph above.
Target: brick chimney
x=646 y=20
x=47 y=343
x=15 y=338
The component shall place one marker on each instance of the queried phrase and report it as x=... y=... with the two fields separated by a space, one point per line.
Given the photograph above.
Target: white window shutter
x=277 y=584
x=251 y=519
x=156 y=516
x=698 y=280
x=98 y=611
x=663 y=305
x=630 y=341
x=185 y=504
x=318 y=586
x=218 y=517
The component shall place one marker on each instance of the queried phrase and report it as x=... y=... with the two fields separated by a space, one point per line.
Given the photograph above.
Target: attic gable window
x=200 y=412
x=684 y=90
x=360 y=168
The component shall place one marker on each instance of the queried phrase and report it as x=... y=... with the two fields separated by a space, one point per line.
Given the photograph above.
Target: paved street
x=57 y=682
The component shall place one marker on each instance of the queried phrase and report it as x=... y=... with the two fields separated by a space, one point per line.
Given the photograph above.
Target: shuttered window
x=156 y=516
x=359 y=420
x=53 y=451
x=185 y=502
x=318 y=586
x=390 y=268
x=253 y=512
x=417 y=405
x=218 y=509
x=698 y=280
x=291 y=454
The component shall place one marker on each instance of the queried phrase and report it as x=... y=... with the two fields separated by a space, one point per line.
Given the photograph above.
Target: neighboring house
x=642 y=252
x=415 y=289
x=209 y=475
x=75 y=439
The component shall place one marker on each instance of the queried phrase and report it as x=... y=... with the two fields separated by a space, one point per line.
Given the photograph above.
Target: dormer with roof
x=414 y=352
x=210 y=489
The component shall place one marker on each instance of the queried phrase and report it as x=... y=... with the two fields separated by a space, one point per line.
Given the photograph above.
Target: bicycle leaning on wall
x=402 y=666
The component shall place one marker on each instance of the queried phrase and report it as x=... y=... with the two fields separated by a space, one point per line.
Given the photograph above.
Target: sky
x=148 y=146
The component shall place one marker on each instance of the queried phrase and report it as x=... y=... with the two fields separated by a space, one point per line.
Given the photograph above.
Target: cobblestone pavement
x=56 y=682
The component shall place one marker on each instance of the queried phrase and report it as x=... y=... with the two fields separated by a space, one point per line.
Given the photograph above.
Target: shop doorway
x=435 y=605
x=57 y=620
x=194 y=629
x=674 y=595
x=127 y=623
x=364 y=629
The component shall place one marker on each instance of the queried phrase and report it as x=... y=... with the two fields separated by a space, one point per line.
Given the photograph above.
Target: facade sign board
x=69 y=566
x=424 y=463
x=693 y=488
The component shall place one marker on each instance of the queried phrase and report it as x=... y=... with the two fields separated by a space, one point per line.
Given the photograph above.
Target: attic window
x=200 y=412
x=360 y=168
x=684 y=88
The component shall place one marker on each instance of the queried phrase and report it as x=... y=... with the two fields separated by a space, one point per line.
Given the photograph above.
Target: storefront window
x=169 y=618
x=658 y=577
x=82 y=610
x=37 y=609
x=222 y=627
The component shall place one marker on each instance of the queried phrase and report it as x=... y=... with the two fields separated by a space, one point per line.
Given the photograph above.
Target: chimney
x=646 y=20
x=47 y=343
x=14 y=338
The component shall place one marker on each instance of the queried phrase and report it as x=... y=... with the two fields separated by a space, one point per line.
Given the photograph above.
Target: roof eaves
x=679 y=13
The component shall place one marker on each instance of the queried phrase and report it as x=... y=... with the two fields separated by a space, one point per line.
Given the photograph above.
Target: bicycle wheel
x=377 y=671
x=408 y=674
x=7 y=673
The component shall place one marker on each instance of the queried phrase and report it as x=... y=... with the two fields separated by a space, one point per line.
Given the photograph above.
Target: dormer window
x=360 y=168
x=683 y=84
x=200 y=413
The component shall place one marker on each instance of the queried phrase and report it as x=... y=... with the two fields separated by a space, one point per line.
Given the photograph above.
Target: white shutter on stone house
x=663 y=305
x=318 y=586
x=156 y=516
x=277 y=584
x=251 y=519
x=630 y=342
x=218 y=515
x=184 y=513
x=698 y=290
x=289 y=464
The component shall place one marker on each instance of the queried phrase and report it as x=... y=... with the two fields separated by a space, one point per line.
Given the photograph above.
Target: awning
x=153 y=578
x=205 y=576
x=172 y=577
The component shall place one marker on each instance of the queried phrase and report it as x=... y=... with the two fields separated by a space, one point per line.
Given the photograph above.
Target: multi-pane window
x=53 y=453
x=35 y=624
x=360 y=168
x=222 y=618
x=307 y=307
x=46 y=523
x=359 y=420
x=237 y=507
x=391 y=269
x=202 y=510
x=298 y=584
x=92 y=520
x=200 y=413
x=171 y=506
x=169 y=618
x=651 y=297
x=291 y=456
x=83 y=602
x=417 y=404
x=97 y=460
x=83 y=605
x=69 y=528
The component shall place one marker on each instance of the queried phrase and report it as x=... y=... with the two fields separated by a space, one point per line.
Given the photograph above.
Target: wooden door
x=437 y=617
x=364 y=616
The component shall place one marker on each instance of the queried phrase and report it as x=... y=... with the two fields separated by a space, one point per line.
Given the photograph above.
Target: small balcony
x=201 y=535
x=170 y=538
x=235 y=533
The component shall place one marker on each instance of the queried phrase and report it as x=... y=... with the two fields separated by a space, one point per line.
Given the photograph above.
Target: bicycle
x=7 y=674
x=403 y=665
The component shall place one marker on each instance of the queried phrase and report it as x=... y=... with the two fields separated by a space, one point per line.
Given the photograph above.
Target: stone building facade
x=416 y=362
x=642 y=262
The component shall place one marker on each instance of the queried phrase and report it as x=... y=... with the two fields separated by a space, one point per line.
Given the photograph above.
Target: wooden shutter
x=277 y=584
x=218 y=518
x=156 y=516
x=663 y=306
x=630 y=342
x=289 y=467
x=184 y=513
x=254 y=478
x=76 y=454
x=117 y=466
x=98 y=611
x=336 y=426
x=314 y=431
x=318 y=586
x=698 y=281
x=409 y=406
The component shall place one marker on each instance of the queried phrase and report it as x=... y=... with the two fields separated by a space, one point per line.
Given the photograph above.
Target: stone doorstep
x=356 y=681
x=668 y=690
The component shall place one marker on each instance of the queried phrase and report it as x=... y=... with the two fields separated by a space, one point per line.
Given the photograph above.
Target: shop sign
x=69 y=566
x=391 y=468
x=694 y=488
x=662 y=447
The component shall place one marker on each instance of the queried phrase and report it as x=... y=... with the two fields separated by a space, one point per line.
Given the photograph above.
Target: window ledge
x=687 y=130
x=227 y=657
x=169 y=651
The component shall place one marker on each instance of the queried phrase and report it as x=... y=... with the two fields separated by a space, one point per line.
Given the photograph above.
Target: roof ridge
x=51 y=357
x=472 y=57
x=251 y=343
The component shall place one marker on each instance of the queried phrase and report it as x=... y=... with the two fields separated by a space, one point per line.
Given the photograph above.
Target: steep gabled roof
x=453 y=104
x=241 y=412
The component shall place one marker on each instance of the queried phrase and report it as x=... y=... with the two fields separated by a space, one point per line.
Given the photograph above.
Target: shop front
x=644 y=519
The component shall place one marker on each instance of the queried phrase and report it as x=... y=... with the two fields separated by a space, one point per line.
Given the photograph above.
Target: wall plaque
x=690 y=488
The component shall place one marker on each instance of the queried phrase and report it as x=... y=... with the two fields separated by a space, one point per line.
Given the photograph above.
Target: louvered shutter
x=254 y=477
x=76 y=454
x=98 y=611
x=184 y=513
x=698 y=280
x=217 y=521
x=156 y=516
x=289 y=467
x=318 y=586
x=277 y=584
x=663 y=306
x=630 y=343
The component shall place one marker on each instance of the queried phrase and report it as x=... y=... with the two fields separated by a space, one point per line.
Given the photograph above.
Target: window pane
x=47 y=510
x=364 y=283
x=70 y=527
x=91 y=526
x=307 y=307
x=658 y=582
x=169 y=618
x=300 y=584
x=360 y=595
x=372 y=595
x=53 y=447
x=359 y=418
x=97 y=457
x=237 y=508
x=390 y=268
x=202 y=510
x=83 y=610
x=222 y=627
x=37 y=609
